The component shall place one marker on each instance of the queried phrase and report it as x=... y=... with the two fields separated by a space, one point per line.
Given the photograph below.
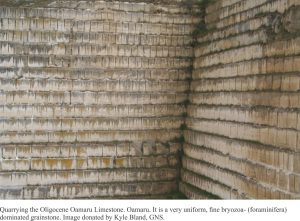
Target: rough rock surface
x=291 y=20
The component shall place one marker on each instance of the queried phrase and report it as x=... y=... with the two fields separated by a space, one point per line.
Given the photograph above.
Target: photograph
x=148 y=102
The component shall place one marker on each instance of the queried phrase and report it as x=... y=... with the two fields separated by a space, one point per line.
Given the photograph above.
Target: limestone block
x=296 y=163
x=91 y=176
x=109 y=150
x=91 y=150
x=11 y=193
x=19 y=179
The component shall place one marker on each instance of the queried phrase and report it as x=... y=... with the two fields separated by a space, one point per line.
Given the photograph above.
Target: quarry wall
x=92 y=97
x=243 y=136
x=141 y=98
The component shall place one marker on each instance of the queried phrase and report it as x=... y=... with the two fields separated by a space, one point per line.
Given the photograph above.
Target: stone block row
x=89 y=150
x=260 y=116
x=101 y=38
x=96 y=74
x=91 y=111
x=88 y=136
x=88 y=124
x=283 y=83
x=273 y=65
x=90 y=98
x=61 y=85
x=44 y=24
x=90 y=190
